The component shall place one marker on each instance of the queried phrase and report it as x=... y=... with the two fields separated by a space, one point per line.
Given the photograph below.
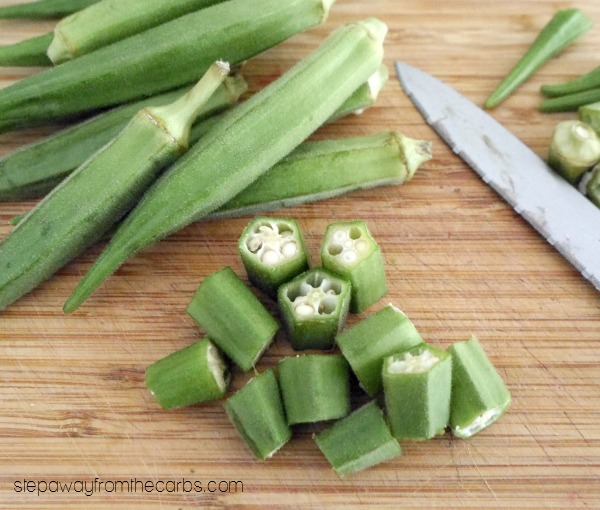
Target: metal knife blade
x=555 y=208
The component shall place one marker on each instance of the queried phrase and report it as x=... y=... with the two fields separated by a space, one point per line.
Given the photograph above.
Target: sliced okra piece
x=258 y=415
x=359 y=441
x=590 y=115
x=349 y=250
x=234 y=319
x=314 y=307
x=189 y=376
x=574 y=149
x=479 y=395
x=366 y=344
x=273 y=252
x=592 y=186
x=314 y=387
x=417 y=386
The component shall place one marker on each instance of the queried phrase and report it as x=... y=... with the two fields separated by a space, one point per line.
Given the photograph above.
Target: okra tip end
x=376 y=28
x=414 y=152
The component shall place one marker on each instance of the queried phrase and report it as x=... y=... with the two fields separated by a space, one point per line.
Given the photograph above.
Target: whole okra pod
x=108 y=21
x=100 y=192
x=44 y=9
x=244 y=144
x=587 y=81
x=160 y=59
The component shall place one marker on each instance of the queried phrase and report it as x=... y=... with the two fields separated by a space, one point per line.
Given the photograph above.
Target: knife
x=556 y=209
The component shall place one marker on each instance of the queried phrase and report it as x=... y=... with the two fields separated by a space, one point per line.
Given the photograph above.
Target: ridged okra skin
x=157 y=60
x=35 y=169
x=584 y=82
x=314 y=387
x=417 y=385
x=366 y=344
x=590 y=115
x=194 y=374
x=108 y=21
x=593 y=186
x=273 y=252
x=350 y=251
x=314 y=307
x=257 y=413
x=235 y=320
x=30 y=52
x=44 y=9
x=479 y=395
x=244 y=144
x=358 y=441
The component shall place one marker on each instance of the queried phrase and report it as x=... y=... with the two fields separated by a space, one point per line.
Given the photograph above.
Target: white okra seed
x=288 y=250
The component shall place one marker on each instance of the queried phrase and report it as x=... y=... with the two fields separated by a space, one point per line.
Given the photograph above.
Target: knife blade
x=556 y=209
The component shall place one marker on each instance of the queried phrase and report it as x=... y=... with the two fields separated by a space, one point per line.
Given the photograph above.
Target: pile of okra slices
x=425 y=389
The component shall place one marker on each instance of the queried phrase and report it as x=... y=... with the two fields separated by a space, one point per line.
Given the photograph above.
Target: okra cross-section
x=366 y=344
x=314 y=307
x=479 y=395
x=257 y=413
x=273 y=252
x=232 y=316
x=314 y=387
x=417 y=385
x=349 y=250
x=189 y=376
x=359 y=441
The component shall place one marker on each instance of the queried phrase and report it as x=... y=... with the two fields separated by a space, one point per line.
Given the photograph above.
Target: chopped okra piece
x=257 y=413
x=273 y=252
x=359 y=441
x=574 y=149
x=590 y=115
x=592 y=186
x=479 y=395
x=314 y=387
x=189 y=376
x=417 y=385
x=366 y=344
x=314 y=307
x=233 y=317
x=349 y=250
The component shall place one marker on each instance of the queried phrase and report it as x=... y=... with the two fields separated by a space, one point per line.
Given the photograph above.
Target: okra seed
x=361 y=246
x=288 y=250
x=340 y=236
x=350 y=256
x=271 y=257
x=304 y=310
x=254 y=244
x=410 y=364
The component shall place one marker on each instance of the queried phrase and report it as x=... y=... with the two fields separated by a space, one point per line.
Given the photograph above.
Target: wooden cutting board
x=459 y=260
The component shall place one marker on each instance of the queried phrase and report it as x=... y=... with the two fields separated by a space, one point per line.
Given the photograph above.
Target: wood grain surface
x=459 y=260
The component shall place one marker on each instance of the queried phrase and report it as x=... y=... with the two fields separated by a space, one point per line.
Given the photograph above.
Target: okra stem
x=564 y=27
x=30 y=52
x=587 y=81
x=44 y=9
x=570 y=102
x=244 y=144
x=107 y=185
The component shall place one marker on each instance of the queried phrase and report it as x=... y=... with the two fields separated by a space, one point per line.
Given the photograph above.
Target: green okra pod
x=349 y=250
x=35 y=169
x=574 y=149
x=314 y=387
x=417 y=385
x=244 y=144
x=359 y=441
x=100 y=192
x=157 y=60
x=592 y=185
x=188 y=376
x=587 y=81
x=571 y=102
x=44 y=9
x=590 y=114
x=30 y=52
x=273 y=252
x=257 y=413
x=313 y=308
x=564 y=27
x=234 y=319
x=479 y=395
x=108 y=21
x=366 y=344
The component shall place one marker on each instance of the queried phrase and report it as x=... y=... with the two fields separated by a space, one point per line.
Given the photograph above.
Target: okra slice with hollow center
x=358 y=441
x=479 y=395
x=417 y=386
x=189 y=376
x=273 y=252
x=314 y=387
x=367 y=343
x=233 y=317
x=258 y=415
x=349 y=250
x=314 y=307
